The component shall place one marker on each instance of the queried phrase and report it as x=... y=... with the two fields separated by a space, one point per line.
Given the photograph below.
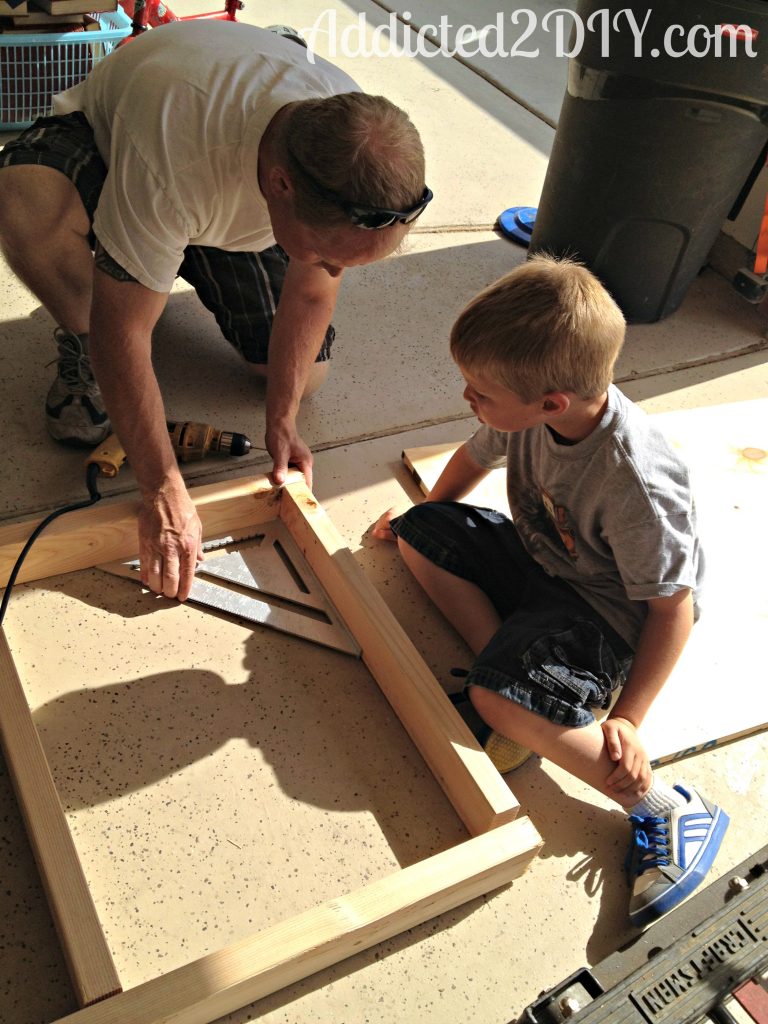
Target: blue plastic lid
x=517 y=223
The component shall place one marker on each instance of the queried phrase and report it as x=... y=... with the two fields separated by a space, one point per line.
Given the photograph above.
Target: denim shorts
x=553 y=654
x=241 y=289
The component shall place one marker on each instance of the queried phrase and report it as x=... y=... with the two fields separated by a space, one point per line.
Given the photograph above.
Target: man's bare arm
x=306 y=306
x=123 y=315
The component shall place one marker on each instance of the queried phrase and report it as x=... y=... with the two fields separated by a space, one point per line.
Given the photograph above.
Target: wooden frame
x=501 y=844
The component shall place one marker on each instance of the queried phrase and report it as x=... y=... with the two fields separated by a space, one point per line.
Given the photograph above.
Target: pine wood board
x=107 y=531
x=502 y=844
x=90 y=962
x=208 y=988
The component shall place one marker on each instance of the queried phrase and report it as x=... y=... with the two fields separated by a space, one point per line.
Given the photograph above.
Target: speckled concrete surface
x=217 y=778
x=392 y=321
x=174 y=764
x=515 y=48
x=158 y=793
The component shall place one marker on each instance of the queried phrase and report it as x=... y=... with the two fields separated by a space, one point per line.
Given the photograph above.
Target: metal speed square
x=270 y=564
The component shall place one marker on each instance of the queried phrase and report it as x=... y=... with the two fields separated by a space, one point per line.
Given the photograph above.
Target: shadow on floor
x=316 y=720
x=570 y=827
x=393 y=321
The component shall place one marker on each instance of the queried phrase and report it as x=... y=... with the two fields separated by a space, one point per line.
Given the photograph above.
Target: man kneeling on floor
x=193 y=150
x=593 y=586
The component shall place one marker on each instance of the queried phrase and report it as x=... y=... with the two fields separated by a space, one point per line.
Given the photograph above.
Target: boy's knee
x=422 y=523
x=485 y=701
x=406 y=551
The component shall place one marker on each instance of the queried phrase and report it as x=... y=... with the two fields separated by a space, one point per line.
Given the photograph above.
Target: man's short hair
x=362 y=148
x=549 y=325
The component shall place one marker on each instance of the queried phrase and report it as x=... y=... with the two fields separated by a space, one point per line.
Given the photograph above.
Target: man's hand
x=381 y=528
x=631 y=778
x=170 y=542
x=123 y=315
x=285 y=446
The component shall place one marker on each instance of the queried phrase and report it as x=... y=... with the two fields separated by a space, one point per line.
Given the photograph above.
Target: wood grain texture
x=107 y=532
x=88 y=958
x=221 y=982
x=479 y=795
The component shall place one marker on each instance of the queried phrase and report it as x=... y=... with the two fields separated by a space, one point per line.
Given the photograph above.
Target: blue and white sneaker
x=671 y=853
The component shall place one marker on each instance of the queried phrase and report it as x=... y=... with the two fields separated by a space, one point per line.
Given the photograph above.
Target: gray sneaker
x=74 y=409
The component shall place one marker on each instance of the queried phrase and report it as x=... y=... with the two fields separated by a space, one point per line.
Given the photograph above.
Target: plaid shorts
x=241 y=289
x=553 y=653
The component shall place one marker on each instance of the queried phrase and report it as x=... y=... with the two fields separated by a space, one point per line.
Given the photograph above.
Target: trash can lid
x=517 y=223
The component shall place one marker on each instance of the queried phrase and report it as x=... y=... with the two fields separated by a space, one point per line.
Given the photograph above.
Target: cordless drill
x=193 y=441
x=190 y=441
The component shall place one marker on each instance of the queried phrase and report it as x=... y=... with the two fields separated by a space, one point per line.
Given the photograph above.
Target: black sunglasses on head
x=372 y=218
x=369 y=218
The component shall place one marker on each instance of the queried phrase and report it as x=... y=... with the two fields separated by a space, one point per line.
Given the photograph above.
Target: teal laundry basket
x=35 y=66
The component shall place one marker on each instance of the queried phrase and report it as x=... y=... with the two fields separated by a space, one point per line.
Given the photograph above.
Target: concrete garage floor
x=216 y=778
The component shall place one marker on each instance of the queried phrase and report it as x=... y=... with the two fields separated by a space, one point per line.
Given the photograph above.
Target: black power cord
x=90 y=479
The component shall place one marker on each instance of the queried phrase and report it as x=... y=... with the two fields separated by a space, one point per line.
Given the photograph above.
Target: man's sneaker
x=671 y=853
x=74 y=409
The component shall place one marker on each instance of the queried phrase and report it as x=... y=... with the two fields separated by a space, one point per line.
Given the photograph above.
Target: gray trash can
x=652 y=149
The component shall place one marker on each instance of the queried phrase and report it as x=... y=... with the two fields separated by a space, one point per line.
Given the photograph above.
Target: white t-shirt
x=178 y=115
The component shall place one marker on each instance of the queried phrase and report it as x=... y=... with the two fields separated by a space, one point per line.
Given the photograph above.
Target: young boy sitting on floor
x=593 y=584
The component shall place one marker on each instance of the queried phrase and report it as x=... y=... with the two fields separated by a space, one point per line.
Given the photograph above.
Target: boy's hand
x=381 y=529
x=631 y=778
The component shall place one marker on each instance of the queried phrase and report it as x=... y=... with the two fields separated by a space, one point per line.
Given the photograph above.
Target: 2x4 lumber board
x=107 y=533
x=432 y=456
x=479 y=795
x=221 y=982
x=88 y=957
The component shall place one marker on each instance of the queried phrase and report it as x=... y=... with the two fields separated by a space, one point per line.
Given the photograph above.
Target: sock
x=659 y=799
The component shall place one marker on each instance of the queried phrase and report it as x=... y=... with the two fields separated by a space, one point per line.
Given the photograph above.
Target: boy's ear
x=556 y=403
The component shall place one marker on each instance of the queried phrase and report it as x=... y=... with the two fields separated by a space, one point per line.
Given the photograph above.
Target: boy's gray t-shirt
x=612 y=514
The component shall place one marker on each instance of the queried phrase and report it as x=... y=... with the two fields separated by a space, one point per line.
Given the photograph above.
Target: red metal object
x=753 y=998
x=229 y=13
x=761 y=253
x=146 y=14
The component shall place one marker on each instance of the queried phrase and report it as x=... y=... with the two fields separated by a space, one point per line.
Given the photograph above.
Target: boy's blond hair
x=549 y=325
